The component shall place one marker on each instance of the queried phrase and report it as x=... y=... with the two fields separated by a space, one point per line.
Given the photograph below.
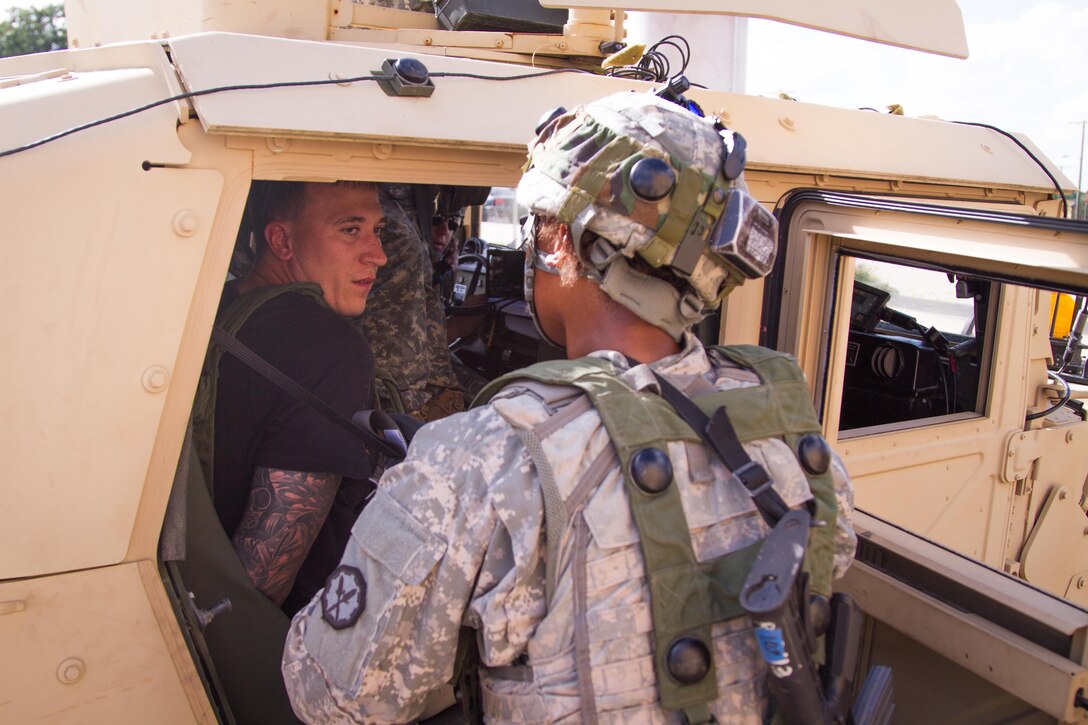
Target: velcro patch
x=344 y=597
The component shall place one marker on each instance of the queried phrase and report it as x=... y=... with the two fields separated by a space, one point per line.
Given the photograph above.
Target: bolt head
x=71 y=670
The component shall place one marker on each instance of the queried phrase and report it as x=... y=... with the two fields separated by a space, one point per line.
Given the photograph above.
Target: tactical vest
x=687 y=597
x=232 y=319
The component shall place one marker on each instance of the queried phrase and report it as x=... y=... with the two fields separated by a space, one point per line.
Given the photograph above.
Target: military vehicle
x=926 y=281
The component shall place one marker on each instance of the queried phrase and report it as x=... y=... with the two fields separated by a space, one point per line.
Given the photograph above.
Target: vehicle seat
x=241 y=648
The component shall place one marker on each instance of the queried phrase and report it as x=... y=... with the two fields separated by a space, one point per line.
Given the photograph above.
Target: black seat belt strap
x=285 y=383
x=719 y=434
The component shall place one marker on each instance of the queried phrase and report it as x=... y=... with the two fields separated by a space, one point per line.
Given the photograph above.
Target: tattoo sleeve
x=282 y=517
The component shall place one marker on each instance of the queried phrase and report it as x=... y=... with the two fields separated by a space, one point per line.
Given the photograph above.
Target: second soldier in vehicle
x=586 y=537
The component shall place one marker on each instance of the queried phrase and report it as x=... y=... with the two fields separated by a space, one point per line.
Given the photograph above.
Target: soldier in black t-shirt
x=288 y=484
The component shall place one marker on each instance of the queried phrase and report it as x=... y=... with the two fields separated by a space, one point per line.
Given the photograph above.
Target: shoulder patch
x=344 y=597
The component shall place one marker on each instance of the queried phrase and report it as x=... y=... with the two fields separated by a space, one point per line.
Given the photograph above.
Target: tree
x=33 y=30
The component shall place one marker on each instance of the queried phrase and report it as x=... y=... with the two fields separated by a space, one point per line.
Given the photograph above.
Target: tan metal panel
x=112 y=21
x=71 y=71
x=477 y=113
x=782 y=135
x=1028 y=671
x=934 y=26
x=86 y=648
x=1038 y=676
x=109 y=278
x=234 y=166
x=940 y=478
x=1046 y=256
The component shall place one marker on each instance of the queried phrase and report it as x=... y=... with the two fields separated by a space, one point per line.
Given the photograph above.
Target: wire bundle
x=654 y=65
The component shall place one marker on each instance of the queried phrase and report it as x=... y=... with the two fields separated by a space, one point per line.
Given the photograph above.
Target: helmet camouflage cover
x=649 y=178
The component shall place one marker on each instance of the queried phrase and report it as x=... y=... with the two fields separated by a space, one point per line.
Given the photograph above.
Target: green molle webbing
x=732 y=281
x=695 y=239
x=655 y=301
x=231 y=321
x=781 y=407
x=574 y=202
x=687 y=597
x=683 y=205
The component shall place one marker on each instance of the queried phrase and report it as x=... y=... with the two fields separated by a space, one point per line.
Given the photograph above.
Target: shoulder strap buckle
x=754 y=477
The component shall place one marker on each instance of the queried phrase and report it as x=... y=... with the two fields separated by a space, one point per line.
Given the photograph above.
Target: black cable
x=499 y=307
x=1033 y=157
x=264 y=86
x=1064 y=399
x=654 y=65
x=467 y=310
x=481 y=77
x=940 y=368
x=685 y=52
x=954 y=402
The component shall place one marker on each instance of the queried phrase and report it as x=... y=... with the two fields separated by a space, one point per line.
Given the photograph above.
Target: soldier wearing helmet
x=576 y=535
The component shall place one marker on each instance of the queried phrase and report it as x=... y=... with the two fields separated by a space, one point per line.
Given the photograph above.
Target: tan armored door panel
x=85 y=647
x=937 y=454
x=101 y=260
x=959 y=496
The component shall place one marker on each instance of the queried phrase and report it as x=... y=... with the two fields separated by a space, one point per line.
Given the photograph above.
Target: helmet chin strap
x=534 y=261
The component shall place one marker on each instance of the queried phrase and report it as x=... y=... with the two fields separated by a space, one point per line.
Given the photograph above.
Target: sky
x=1027 y=71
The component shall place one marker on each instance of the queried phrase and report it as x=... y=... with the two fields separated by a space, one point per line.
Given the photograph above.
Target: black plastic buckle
x=754 y=477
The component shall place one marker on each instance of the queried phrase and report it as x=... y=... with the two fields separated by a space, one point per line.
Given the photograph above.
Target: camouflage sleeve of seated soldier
x=459 y=520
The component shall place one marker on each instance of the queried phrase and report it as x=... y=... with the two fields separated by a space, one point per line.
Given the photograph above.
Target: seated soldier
x=286 y=482
x=405 y=321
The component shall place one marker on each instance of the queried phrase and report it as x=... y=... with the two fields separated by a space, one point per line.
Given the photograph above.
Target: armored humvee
x=926 y=281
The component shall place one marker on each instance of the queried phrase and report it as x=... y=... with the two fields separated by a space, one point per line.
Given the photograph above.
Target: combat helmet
x=651 y=179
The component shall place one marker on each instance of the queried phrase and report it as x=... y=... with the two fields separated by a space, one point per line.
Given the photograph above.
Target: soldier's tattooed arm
x=282 y=517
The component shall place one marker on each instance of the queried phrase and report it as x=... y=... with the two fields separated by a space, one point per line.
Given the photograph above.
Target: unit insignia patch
x=344 y=598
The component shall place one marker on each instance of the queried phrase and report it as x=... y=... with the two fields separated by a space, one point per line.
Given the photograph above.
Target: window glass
x=916 y=345
x=499 y=219
x=928 y=296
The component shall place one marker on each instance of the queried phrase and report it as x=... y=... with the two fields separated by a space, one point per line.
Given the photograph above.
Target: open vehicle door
x=925 y=332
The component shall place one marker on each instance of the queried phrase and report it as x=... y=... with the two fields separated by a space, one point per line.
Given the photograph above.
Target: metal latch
x=204 y=617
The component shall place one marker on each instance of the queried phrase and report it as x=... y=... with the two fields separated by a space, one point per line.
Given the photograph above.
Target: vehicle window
x=917 y=345
x=500 y=218
x=1067 y=321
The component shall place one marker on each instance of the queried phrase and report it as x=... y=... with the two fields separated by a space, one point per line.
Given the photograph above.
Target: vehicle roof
x=491 y=113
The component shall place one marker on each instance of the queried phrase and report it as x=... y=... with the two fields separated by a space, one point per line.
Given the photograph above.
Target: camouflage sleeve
x=846 y=540
x=415 y=553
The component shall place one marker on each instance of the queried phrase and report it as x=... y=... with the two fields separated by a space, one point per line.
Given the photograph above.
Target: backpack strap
x=781 y=407
x=718 y=433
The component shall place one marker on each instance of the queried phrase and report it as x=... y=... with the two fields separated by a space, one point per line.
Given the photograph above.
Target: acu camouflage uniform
x=422 y=6
x=404 y=319
x=456 y=536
